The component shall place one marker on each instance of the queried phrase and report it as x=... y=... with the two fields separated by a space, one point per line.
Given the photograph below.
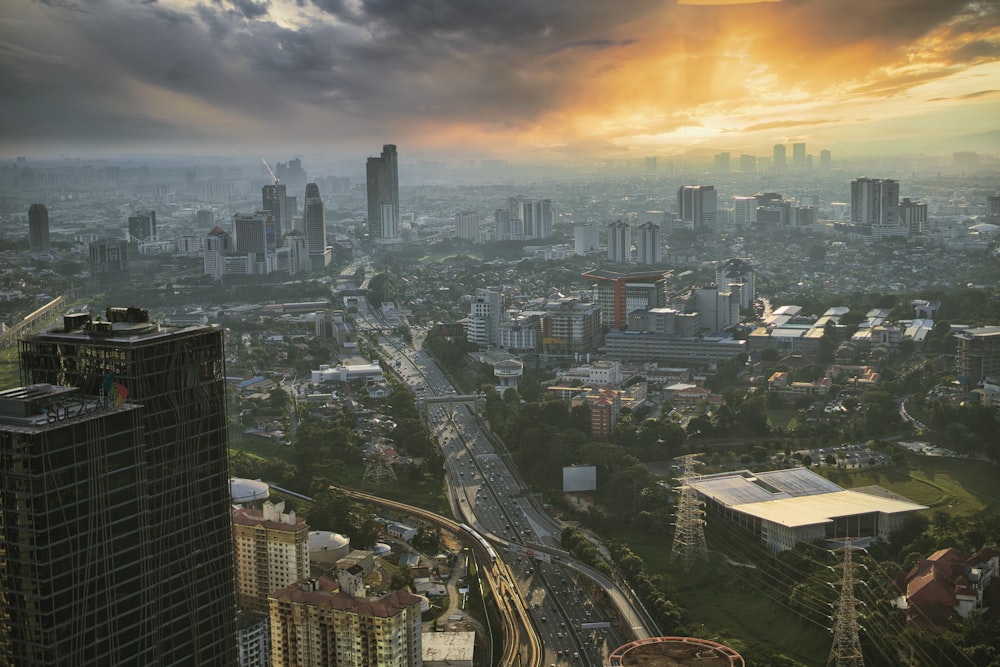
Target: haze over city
x=521 y=79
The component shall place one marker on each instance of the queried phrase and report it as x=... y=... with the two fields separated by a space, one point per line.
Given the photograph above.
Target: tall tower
x=697 y=206
x=689 y=524
x=142 y=226
x=467 y=225
x=76 y=577
x=799 y=155
x=619 y=242
x=272 y=551
x=778 y=156
x=178 y=375
x=274 y=200
x=38 y=228
x=383 y=188
x=315 y=222
x=846 y=648
x=647 y=244
x=875 y=207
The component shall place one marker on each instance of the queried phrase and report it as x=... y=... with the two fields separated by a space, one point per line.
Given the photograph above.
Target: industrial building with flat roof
x=785 y=507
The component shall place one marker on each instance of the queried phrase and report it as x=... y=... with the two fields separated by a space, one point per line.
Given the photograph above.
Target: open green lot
x=954 y=486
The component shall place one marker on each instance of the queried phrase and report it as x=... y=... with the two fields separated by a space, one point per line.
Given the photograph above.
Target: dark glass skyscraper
x=383 y=188
x=76 y=573
x=315 y=222
x=177 y=374
x=38 y=228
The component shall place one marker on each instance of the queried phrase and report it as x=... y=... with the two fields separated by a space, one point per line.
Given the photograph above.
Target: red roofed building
x=272 y=551
x=315 y=624
x=947 y=583
x=605 y=404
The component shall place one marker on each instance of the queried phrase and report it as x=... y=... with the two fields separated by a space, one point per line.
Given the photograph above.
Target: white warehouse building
x=785 y=507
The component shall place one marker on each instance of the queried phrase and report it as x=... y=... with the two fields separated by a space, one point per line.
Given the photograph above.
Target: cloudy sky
x=499 y=78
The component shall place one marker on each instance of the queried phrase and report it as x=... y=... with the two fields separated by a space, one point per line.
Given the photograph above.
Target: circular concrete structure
x=248 y=490
x=675 y=652
x=327 y=547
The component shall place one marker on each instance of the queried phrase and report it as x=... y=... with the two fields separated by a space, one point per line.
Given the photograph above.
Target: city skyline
x=518 y=80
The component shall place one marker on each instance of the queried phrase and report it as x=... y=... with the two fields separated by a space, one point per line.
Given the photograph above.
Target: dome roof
x=381 y=548
x=247 y=490
x=324 y=540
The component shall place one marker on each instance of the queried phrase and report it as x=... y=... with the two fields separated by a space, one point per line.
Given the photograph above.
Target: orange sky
x=520 y=79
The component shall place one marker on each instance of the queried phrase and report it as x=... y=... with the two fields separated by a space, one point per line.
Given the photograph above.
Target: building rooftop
x=824 y=508
x=324 y=592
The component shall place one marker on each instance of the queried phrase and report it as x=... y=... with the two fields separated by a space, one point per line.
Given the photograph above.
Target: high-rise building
x=875 y=207
x=913 y=217
x=748 y=163
x=778 y=156
x=619 y=294
x=76 y=580
x=205 y=218
x=383 y=188
x=697 y=206
x=142 y=226
x=275 y=200
x=993 y=209
x=217 y=245
x=272 y=551
x=292 y=174
x=744 y=211
x=523 y=219
x=978 y=356
x=177 y=373
x=825 y=159
x=619 y=242
x=799 y=155
x=737 y=276
x=647 y=244
x=38 y=228
x=721 y=163
x=485 y=314
x=315 y=223
x=313 y=624
x=109 y=261
x=467 y=225
x=586 y=238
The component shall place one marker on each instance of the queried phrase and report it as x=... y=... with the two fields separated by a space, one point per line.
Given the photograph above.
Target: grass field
x=954 y=486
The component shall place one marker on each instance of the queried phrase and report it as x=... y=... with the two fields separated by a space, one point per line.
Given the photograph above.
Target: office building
x=38 y=229
x=721 y=162
x=272 y=551
x=569 y=325
x=315 y=230
x=825 y=159
x=383 y=190
x=485 y=313
x=586 y=238
x=467 y=225
x=647 y=244
x=275 y=201
x=799 y=155
x=737 y=276
x=142 y=226
x=978 y=356
x=779 y=158
x=748 y=163
x=217 y=246
x=76 y=575
x=913 y=217
x=316 y=624
x=292 y=174
x=744 y=211
x=993 y=209
x=522 y=219
x=696 y=207
x=109 y=261
x=618 y=294
x=177 y=373
x=619 y=242
x=875 y=208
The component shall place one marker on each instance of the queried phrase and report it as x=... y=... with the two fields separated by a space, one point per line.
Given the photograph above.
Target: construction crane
x=270 y=171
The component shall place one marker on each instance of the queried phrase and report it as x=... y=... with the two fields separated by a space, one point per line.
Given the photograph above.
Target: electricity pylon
x=378 y=470
x=846 y=648
x=689 y=522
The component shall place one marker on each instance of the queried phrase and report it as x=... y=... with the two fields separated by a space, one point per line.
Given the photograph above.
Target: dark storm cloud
x=251 y=9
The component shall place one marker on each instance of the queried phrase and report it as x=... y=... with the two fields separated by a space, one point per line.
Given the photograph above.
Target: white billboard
x=579 y=478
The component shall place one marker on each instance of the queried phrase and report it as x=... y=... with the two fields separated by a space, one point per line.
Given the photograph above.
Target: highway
x=485 y=492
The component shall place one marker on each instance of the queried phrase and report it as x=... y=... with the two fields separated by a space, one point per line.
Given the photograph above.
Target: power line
x=689 y=524
x=846 y=649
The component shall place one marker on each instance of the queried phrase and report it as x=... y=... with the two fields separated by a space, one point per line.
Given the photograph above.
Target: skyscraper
x=142 y=226
x=744 y=210
x=76 y=581
x=778 y=156
x=38 y=228
x=109 y=261
x=274 y=200
x=315 y=222
x=647 y=244
x=697 y=206
x=737 y=276
x=799 y=155
x=825 y=159
x=875 y=207
x=467 y=225
x=178 y=375
x=619 y=242
x=383 y=188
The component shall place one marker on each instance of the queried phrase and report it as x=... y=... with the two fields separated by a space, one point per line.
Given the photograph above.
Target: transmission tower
x=378 y=470
x=846 y=649
x=689 y=524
